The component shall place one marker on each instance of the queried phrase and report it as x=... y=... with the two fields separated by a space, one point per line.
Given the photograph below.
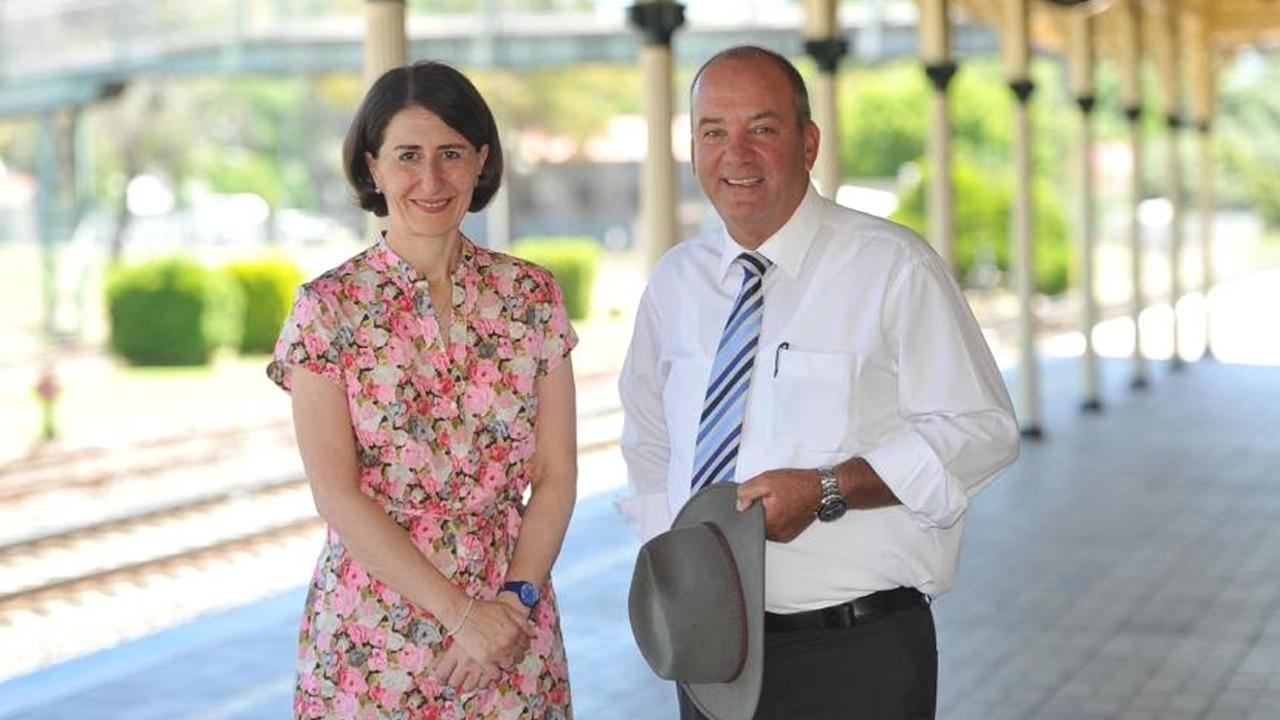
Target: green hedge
x=573 y=260
x=171 y=312
x=268 y=286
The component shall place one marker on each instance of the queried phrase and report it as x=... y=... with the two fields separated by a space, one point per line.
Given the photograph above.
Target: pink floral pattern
x=444 y=437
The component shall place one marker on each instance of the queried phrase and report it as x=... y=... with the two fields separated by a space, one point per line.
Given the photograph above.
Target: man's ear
x=812 y=137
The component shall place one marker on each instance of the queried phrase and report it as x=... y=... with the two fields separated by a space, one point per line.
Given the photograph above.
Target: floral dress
x=444 y=437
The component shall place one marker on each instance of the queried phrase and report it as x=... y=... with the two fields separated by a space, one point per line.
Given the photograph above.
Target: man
x=835 y=367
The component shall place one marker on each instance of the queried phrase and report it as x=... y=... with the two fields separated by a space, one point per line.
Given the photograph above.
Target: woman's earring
x=377 y=190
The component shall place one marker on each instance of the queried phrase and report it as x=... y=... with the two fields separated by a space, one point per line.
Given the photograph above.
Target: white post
x=935 y=52
x=824 y=44
x=1016 y=46
x=657 y=20
x=1129 y=18
x=1080 y=62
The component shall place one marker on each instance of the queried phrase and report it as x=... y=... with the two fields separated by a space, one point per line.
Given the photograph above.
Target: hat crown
x=687 y=608
x=697 y=602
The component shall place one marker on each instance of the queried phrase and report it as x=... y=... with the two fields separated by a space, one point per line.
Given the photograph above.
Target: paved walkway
x=1124 y=568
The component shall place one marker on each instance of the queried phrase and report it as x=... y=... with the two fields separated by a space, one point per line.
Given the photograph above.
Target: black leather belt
x=848 y=614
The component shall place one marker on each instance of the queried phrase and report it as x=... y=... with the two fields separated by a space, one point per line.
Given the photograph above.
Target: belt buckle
x=860 y=612
x=844 y=615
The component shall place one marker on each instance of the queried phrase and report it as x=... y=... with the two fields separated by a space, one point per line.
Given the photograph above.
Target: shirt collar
x=397 y=267
x=787 y=247
x=400 y=270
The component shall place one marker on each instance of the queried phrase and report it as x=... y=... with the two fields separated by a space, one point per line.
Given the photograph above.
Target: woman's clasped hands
x=492 y=637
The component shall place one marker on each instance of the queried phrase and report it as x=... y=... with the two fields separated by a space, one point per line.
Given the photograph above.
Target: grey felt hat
x=697 y=603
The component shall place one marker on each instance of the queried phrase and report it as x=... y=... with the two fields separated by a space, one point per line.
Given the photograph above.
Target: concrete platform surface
x=1126 y=567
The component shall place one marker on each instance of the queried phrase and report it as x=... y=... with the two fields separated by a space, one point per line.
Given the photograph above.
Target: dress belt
x=854 y=612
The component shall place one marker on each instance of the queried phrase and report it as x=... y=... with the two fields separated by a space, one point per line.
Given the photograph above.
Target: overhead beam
x=322 y=48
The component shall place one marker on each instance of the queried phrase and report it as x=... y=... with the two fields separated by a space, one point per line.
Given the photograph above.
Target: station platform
x=1125 y=567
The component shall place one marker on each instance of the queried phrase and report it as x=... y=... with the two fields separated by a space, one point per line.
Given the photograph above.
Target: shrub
x=268 y=286
x=982 y=206
x=572 y=260
x=171 y=312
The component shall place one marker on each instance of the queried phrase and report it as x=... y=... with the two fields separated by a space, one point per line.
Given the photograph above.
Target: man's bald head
x=799 y=93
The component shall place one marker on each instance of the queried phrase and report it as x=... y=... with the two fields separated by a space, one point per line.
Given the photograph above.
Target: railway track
x=98 y=467
x=71 y=592
x=100 y=547
x=57 y=565
x=61 y=564
x=92 y=468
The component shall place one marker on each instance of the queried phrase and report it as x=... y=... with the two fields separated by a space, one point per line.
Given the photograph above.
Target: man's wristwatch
x=525 y=591
x=833 y=504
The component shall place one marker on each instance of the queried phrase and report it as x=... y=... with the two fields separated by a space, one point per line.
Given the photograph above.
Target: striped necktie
x=720 y=429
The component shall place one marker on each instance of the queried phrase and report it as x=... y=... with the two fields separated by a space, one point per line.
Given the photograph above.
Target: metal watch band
x=833 y=505
x=830 y=484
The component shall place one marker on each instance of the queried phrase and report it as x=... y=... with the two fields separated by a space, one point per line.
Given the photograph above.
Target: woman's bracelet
x=465 y=613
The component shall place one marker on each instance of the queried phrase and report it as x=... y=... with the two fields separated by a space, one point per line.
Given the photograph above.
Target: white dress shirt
x=868 y=349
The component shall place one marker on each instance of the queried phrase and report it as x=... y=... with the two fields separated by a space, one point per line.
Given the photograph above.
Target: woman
x=431 y=386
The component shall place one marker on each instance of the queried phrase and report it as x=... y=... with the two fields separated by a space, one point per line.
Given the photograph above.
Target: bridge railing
x=39 y=37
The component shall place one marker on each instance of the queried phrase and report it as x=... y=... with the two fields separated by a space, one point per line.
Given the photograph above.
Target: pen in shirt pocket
x=777 y=356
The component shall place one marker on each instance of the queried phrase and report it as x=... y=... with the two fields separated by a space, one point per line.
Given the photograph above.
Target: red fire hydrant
x=47 y=390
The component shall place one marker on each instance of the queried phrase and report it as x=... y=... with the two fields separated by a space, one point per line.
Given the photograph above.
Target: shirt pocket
x=813 y=398
x=682 y=399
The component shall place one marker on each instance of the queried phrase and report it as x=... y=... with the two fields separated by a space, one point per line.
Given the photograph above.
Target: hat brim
x=744 y=531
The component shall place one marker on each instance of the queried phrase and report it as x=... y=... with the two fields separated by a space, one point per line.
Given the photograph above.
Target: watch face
x=526 y=592
x=833 y=510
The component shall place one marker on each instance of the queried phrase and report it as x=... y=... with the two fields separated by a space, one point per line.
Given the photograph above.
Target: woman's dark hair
x=440 y=89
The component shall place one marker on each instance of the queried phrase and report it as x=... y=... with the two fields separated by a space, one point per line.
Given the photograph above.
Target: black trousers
x=883 y=669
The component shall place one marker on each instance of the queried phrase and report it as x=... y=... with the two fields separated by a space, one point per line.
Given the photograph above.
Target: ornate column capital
x=657 y=20
x=940 y=74
x=827 y=53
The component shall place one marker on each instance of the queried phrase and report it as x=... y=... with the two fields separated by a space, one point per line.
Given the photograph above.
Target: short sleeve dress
x=444 y=437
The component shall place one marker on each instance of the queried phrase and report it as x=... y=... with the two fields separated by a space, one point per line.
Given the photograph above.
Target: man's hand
x=790 y=498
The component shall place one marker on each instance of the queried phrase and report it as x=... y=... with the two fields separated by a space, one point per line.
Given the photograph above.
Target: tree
x=149 y=132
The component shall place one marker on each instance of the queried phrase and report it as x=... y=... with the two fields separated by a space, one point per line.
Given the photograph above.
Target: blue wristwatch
x=525 y=591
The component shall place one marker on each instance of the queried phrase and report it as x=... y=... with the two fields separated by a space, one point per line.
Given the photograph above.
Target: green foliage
x=171 y=312
x=576 y=102
x=1248 y=138
x=262 y=133
x=267 y=286
x=1261 y=184
x=573 y=261
x=884 y=112
x=983 y=203
x=277 y=137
